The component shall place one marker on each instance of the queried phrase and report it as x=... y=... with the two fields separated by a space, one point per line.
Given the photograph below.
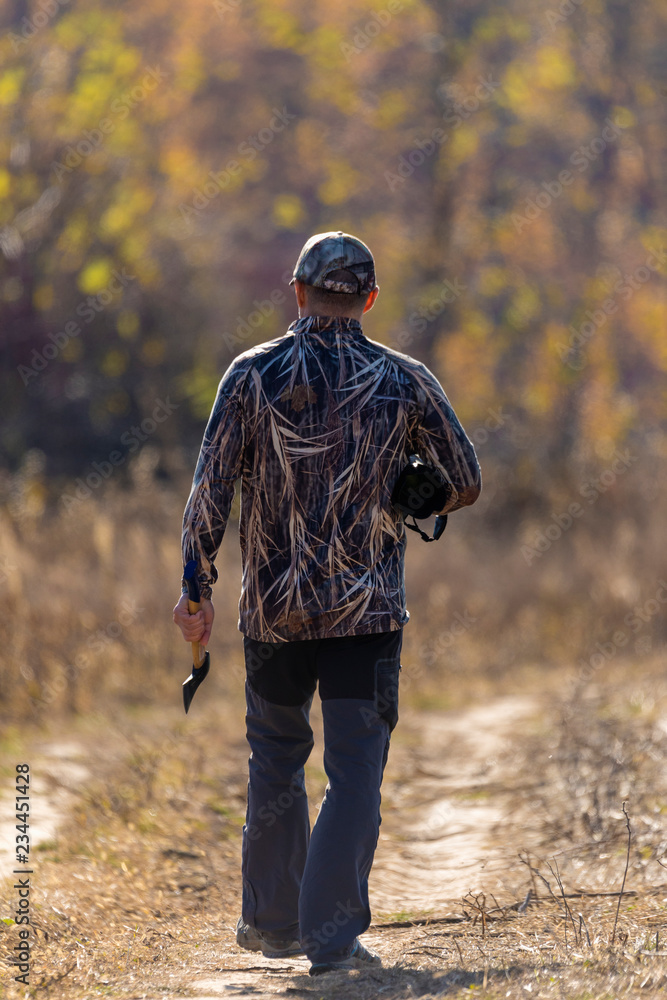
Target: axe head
x=191 y=684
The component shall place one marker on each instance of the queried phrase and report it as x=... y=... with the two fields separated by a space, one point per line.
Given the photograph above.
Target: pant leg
x=277 y=827
x=359 y=689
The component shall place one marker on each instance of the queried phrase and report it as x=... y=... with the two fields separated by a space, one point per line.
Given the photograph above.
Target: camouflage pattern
x=318 y=424
x=336 y=251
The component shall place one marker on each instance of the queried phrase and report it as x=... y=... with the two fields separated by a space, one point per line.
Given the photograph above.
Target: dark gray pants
x=315 y=887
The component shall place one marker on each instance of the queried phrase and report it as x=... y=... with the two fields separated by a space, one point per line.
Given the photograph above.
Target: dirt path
x=57 y=771
x=445 y=833
x=441 y=830
x=442 y=836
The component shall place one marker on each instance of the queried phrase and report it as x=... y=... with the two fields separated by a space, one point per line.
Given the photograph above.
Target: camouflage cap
x=336 y=262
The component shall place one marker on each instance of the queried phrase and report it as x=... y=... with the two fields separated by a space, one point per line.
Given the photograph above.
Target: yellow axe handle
x=198 y=653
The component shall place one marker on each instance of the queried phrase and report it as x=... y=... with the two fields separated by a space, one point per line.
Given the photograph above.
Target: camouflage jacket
x=317 y=424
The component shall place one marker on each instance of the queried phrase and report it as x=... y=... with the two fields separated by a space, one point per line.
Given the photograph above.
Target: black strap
x=440 y=525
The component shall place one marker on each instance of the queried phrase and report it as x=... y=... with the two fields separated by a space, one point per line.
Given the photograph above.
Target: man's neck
x=304 y=314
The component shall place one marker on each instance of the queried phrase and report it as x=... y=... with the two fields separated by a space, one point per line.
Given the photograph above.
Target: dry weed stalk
x=627 y=864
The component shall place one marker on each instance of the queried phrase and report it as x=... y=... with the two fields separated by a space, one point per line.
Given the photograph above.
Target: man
x=318 y=424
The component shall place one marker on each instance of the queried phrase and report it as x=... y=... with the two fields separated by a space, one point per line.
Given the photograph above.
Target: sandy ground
x=443 y=804
x=56 y=774
x=458 y=807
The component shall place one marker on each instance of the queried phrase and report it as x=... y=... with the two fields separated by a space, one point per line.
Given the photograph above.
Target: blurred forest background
x=162 y=165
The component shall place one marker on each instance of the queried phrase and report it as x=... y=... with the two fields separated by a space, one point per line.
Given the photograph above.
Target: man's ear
x=372 y=296
x=300 y=292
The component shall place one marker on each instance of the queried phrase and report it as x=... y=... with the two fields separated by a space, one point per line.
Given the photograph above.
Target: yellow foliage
x=647 y=320
x=623 y=117
x=75 y=236
x=517 y=88
x=75 y=29
x=462 y=145
x=646 y=93
x=122 y=213
x=606 y=414
x=502 y=24
x=337 y=90
x=288 y=211
x=525 y=305
x=323 y=48
x=343 y=182
x=191 y=71
x=361 y=95
x=393 y=109
x=200 y=385
x=114 y=364
x=279 y=27
x=488 y=28
x=148 y=273
x=95 y=275
x=91 y=99
x=654 y=241
x=10 y=85
x=109 y=52
x=127 y=324
x=581 y=196
x=468 y=374
x=554 y=69
x=180 y=162
x=545 y=372
x=492 y=280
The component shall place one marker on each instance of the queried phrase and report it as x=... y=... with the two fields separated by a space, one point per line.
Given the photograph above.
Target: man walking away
x=317 y=424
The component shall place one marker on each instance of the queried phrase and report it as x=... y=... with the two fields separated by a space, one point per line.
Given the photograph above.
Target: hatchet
x=201 y=660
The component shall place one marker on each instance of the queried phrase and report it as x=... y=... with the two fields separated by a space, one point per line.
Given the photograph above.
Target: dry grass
x=139 y=894
x=88 y=595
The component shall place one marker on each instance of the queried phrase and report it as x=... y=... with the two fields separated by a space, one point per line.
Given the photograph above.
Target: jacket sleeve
x=218 y=467
x=440 y=439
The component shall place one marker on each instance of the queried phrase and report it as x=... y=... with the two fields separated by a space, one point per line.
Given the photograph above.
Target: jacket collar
x=326 y=324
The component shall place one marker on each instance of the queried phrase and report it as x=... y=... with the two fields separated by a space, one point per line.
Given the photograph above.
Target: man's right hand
x=197 y=627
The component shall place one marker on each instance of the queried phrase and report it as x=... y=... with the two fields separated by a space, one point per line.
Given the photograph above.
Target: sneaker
x=359 y=958
x=270 y=945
